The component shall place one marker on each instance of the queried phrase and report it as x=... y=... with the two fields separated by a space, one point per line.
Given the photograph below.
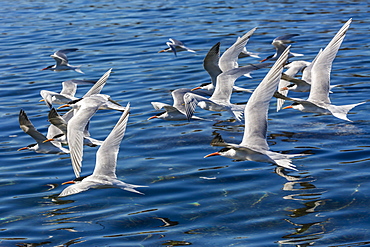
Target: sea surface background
x=190 y=200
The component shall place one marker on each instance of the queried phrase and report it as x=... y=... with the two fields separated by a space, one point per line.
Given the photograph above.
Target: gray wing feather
x=98 y=86
x=226 y=80
x=191 y=101
x=106 y=156
x=210 y=62
x=55 y=119
x=256 y=110
x=75 y=134
x=229 y=58
x=27 y=126
x=320 y=74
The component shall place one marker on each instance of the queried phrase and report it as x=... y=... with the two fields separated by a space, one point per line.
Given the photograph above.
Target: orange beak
x=41 y=100
x=62 y=106
x=48 y=140
x=161 y=51
x=152 y=117
x=284 y=88
x=68 y=182
x=212 y=154
x=287 y=107
x=196 y=88
x=22 y=148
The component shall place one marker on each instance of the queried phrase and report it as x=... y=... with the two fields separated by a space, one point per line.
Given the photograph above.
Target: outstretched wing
x=106 y=156
x=229 y=59
x=226 y=80
x=60 y=56
x=191 y=101
x=70 y=86
x=320 y=73
x=158 y=105
x=210 y=62
x=75 y=133
x=27 y=126
x=55 y=119
x=256 y=110
x=98 y=86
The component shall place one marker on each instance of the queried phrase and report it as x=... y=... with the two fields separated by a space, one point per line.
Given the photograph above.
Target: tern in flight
x=280 y=43
x=104 y=175
x=40 y=146
x=61 y=60
x=318 y=100
x=254 y=146
x=175 y=46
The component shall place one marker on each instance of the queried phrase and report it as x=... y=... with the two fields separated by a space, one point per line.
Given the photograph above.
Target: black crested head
x=223 y=150
x=271 y=56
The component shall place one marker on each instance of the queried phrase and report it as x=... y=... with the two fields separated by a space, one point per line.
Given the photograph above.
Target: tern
x=318 y=100
x=176 y=111
x=254 y=146
x=60 y=122
x=61 y=60
x=53 y=147
x=228 y=64
x=220 y=99
x=67 y=94
x=289 y=83
x=280 y=43
x=175 y=46
x=84 y=110
x=211 y=65
x=104 y=174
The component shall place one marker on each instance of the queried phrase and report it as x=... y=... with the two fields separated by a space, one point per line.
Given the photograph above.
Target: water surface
x=190 y=200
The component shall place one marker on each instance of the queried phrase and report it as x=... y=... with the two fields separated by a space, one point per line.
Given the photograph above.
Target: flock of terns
x=72 y=128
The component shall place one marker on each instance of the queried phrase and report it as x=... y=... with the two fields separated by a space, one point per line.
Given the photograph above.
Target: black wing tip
x=53 y=112
x=217 y=140
x=23 y=114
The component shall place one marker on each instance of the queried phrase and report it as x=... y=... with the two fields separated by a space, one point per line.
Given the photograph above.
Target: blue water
x=205 y=202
